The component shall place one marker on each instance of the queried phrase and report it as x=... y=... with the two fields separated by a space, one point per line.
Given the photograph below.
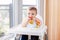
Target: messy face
x=32 y=13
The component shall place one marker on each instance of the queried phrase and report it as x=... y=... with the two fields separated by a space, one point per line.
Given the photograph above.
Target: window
x=5 y=15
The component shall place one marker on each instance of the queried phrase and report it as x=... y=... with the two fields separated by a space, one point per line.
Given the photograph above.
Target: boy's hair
x=33 y=8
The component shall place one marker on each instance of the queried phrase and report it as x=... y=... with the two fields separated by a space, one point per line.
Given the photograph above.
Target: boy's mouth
x=31 y=17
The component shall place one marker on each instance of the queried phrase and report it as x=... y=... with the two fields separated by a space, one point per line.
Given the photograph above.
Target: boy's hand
x=28 y=19
x=37 y=21
x=25 y=22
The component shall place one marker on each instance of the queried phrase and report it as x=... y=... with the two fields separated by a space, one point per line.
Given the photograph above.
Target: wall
x=53 y=19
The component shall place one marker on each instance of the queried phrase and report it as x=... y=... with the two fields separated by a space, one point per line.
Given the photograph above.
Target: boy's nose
x=30 y=15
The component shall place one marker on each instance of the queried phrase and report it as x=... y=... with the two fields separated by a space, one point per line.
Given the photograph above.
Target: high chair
x=41 y=31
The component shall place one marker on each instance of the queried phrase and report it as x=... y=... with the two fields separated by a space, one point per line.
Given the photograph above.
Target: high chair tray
x=28 y=31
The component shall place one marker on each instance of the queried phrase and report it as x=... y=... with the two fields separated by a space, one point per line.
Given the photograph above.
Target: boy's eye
x=32 y=13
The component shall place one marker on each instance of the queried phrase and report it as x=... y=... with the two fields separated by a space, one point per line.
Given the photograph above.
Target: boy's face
x=32 y=13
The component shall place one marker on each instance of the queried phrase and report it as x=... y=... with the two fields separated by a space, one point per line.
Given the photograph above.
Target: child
x=31 y=20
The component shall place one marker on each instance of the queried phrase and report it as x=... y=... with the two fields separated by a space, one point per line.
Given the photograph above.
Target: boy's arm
x=24 y=23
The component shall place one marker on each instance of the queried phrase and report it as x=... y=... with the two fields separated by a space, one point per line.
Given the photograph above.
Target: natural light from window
x=4 y=15
x=5 y=2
